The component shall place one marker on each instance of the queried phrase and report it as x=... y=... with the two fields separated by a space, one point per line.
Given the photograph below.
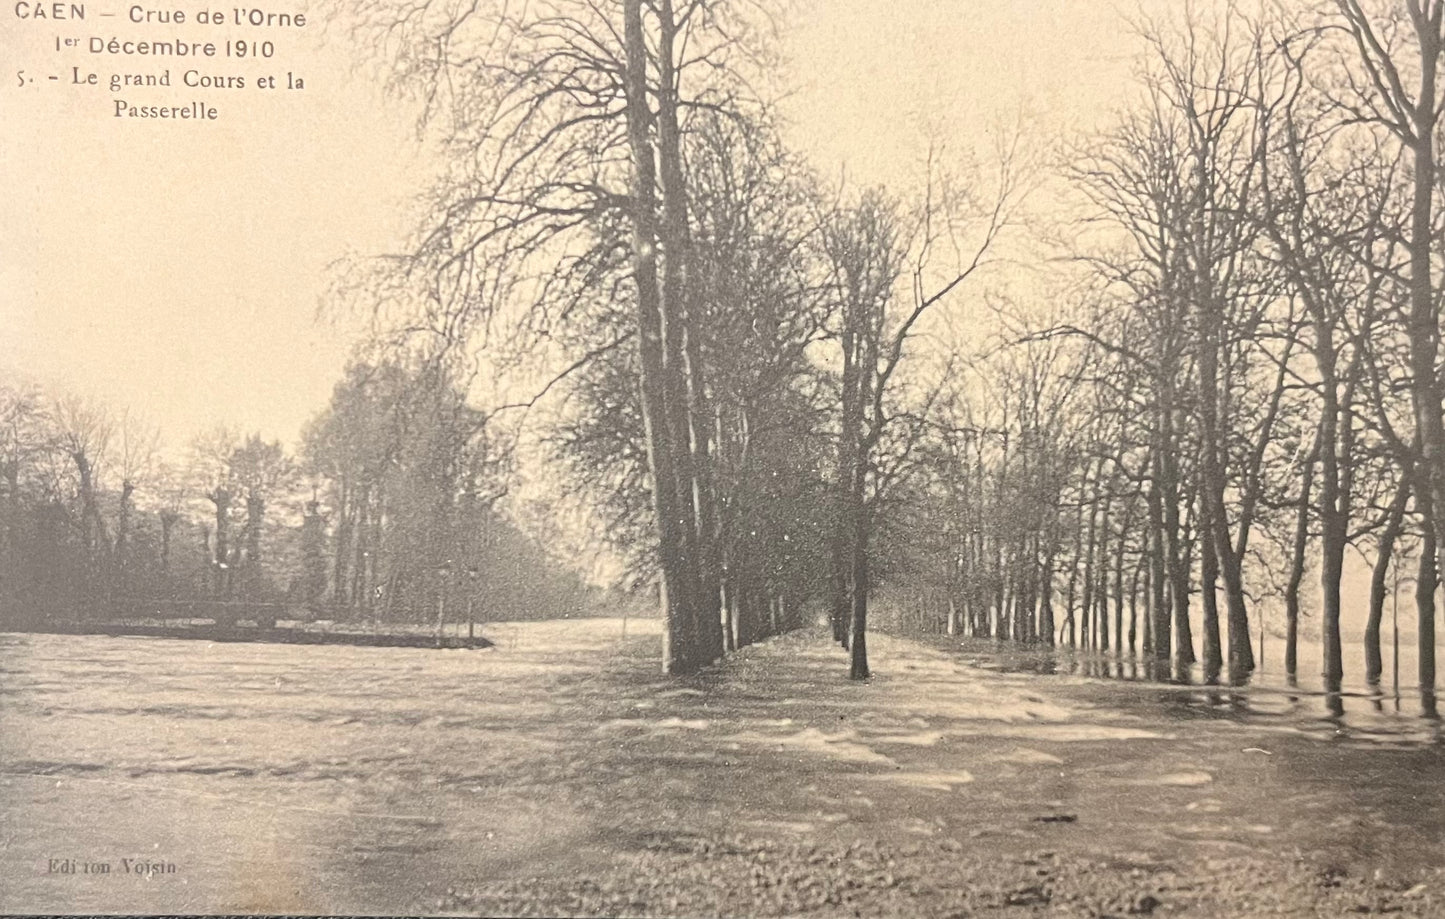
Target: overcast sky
x=176 y=268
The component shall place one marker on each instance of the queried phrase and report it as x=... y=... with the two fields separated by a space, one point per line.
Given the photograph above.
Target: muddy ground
x=560 y=774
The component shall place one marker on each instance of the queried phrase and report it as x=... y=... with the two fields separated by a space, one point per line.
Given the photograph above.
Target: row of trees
x=411 y=485
x=385 y=515
x=94 y=516
x=1245 y=382
x=1242 y=376
x=731 y=329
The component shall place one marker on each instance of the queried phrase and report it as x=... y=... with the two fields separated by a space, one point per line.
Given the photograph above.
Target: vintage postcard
x=722 y=457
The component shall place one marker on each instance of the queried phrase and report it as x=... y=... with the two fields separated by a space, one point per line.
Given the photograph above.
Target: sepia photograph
x=722 y=458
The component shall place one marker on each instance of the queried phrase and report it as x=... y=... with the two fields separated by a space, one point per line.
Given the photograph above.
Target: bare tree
x=1390 y=48
x=210 y=455
x=563 y=119
x=871 y=253
x=137 y=444
x=83 y=430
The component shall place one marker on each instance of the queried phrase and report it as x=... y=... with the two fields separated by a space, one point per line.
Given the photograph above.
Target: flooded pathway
x=560 y=773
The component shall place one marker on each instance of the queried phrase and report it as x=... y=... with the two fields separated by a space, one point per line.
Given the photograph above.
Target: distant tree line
x=389 y=512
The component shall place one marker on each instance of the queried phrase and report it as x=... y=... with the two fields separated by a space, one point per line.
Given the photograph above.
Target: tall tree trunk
x=1426 y=582
x=1424 y=331
x=1213 y=448
x=682 y=342
x=1209 y=600
x=1026 y=575
x=360 y=596
x=1075 y=560
x=839 y=608
x=89 y=515
x=1384 y=552
x=858 y=669
x=1147 y=560
x=1101 y=595
x=1090 y=576
x=727 y=587
x=255 y=519
x=1167 y=551
x=1297 y=570
x=1141 y=572
x=1046 y=599
x=1119 y=598
x=659 y=394
x=1333 y=513
x=1241 y=650
x=122 y=528
x=845 y=488
x=168 y=525
x=346 y=510
x=220 y=497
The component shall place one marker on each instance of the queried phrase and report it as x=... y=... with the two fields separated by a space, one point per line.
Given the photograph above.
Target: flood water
x=281 y=778
x=1393 y=712
x=278 y=778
